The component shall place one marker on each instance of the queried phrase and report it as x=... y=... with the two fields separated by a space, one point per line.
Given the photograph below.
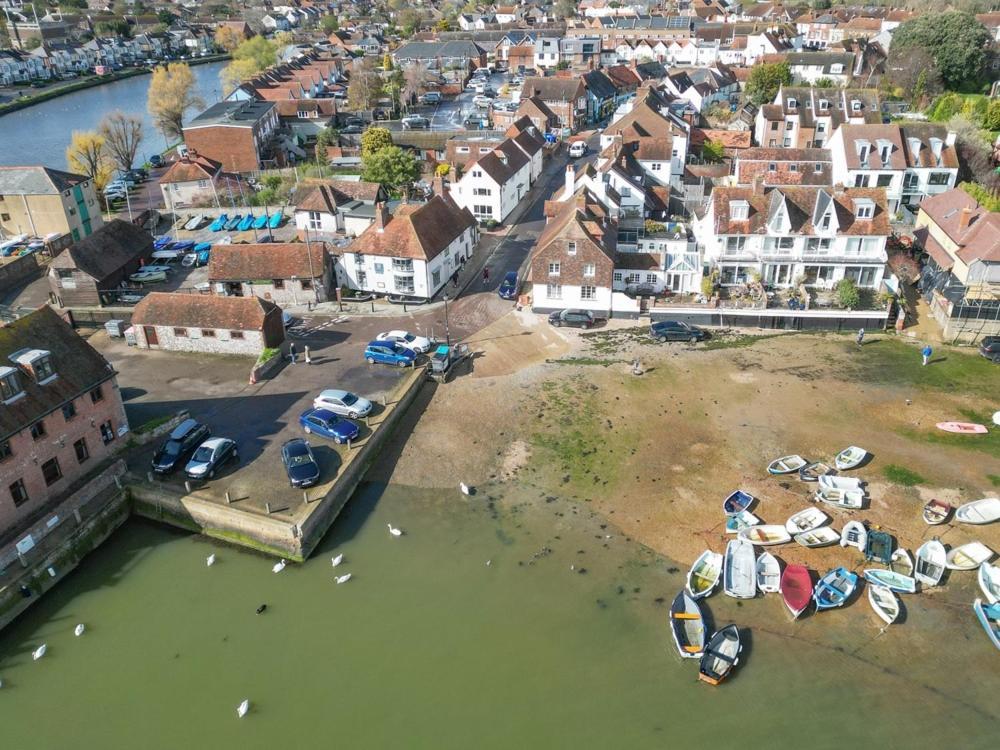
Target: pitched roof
x=191 y=169
x=203 y=311
x=418 y=231
x=35 y=180
x=553 y=88
x=279 y=260
x=980 y=239
x=321 y=198
x=357 y=190
x=78 y=365
x=108 y=249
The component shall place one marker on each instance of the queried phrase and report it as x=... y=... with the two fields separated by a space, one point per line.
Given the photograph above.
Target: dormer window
x=739 y=210
x=863 y=148
x=10 y=385
x=936 y=147
x=792 y=104
x=37 y=362
x=836 y=69
x=864 y=208
x=824 y=105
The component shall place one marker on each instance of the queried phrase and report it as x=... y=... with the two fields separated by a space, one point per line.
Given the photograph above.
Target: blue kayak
x=201 y=246
x=203 y=256
x=219 y=224
x=161 y=242
x=275 y=221
x=246 y=223
x=260 y=222
x=234 y=222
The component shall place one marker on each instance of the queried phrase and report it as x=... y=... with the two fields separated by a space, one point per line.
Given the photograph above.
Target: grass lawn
x=892 y=361
x=901 y=475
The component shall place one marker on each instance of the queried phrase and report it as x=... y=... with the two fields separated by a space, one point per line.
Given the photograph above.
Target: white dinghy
x=768 y=573
x=854 y=535
x=969 y=556
x=243 y=708
x=989 y=582
x=806 y=520
x=931 y=561
x=850 y=458
x=884 y=602
x=982 y=511
x=704 y=574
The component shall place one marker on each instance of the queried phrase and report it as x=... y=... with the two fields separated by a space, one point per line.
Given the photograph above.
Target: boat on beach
x=989 y=618
x=737 y=502
x=796 y=588
x=721 y=655
x=834 y=588
x=688 y=626
x=833 y=482
x=766 y=535
x=743 y=520
x=884 y=603
x=989 y=582
x=786 y=464
x=901 y=562
x=891 y=580
x=704 y=574
x=768 y=573
x=963 y=428
x=982 y=511
x=969 y=556
x=936 y=512
x=854 y=535
x=850 y=458
x=930 y=563
x=739 y=575
x=806 y=520
x=812 y=472
x=820 y=537
x=847 y=499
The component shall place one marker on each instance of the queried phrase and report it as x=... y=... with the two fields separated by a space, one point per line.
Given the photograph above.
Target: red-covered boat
x=796 y=588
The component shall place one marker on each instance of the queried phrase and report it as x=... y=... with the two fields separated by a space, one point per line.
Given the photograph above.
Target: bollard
x=305 y=497
x=149 y=477
x=76 y=515
x=187 y=486
x=308 y=358
x=228 y=499
x=267 y=507
x=348 y=444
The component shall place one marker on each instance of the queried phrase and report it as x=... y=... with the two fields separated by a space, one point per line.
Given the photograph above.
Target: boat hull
x=931 y=559
x=688 y=626
x=739 y=570
x=704 y=574
x=796 y=588
x=722 y=654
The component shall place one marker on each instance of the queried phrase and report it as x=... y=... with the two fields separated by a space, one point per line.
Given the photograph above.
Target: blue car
x=389 y=353
x=327 y=424
x=508 y=287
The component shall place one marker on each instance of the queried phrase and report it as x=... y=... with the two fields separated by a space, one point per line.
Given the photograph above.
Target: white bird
x=344 y=578
x=210 y=560
x=39 y=652
x=337 y=560
x=466 y=489
x=489 y=563
x=394 y=531
x=78 y=630
x=241 y=710
x=279 y=566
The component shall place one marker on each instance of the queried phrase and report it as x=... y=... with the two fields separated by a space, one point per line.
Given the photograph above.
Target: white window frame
x=554 y=268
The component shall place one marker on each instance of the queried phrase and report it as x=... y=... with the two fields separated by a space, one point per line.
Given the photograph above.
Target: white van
x=578 y=149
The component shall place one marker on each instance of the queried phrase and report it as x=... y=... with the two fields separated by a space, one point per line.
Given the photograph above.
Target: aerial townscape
x=611 y=373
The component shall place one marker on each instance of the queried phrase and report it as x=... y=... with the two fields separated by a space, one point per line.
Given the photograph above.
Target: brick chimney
x=758 y=184
x=381 y=216
x=964 y=218
x=570 y=179
x=437 y=185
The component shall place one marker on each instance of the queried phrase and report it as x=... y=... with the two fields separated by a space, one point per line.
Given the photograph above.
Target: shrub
x=652 y=227
x=442 y=170
x=847 y=293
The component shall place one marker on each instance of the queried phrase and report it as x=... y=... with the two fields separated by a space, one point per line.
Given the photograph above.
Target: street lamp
x=447 y=328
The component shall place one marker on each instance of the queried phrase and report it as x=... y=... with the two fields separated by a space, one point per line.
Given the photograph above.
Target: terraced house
x=41 y=201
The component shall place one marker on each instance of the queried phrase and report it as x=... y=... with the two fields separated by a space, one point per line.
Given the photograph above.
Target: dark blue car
x=389 y=353
x=327 y=424
x=300 y=463
x=509 y=286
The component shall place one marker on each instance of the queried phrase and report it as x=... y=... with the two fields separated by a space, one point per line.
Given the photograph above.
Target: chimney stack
x=437 y=185
x=964 y=218
x=570 y=179
x=381 y=216
x=758 y=184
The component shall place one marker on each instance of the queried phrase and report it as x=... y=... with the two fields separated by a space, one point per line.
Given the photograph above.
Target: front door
x=151 y=339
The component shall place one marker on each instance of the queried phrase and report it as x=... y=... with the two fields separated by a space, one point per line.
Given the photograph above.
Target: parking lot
x=451 y=113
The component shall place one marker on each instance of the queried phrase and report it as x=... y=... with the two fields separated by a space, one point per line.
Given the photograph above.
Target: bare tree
x=364 y=86
x=414 y=77
x=122 y=136
x=914 y=75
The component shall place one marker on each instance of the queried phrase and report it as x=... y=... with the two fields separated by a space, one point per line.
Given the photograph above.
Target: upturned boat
x=796 y=588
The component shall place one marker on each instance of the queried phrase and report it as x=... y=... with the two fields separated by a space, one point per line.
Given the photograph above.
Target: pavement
x=450 y=114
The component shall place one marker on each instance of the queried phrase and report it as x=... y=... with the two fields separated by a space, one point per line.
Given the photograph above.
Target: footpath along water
x=428 y=646
x=40 y=134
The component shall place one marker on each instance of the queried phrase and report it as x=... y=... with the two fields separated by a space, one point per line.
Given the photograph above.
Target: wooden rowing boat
x=786 y=464
x=704 y=574
x=796 y=588
x=766 y=535
x=812 y=472
x=687 y=625
x=721 y=655
x=936 y=512
x=884 y=602
x=820 y=537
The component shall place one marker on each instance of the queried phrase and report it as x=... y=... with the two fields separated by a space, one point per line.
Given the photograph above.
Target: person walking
x=861 y=337
x=291 y=352
x=486 y=276
x=927 y=352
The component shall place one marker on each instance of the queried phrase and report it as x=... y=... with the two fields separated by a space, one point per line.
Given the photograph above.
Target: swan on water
x=394 y=531
x=337 y=560
x=241 y=710
x=279 y=566
x=78 y=630
x=344 y=578
x=466 y=489
x=489 y=563
x=39 y=652
x=210 y=560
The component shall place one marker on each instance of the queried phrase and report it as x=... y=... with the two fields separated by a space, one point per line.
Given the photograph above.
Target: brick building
x=207 y=323
x=784 y=166
x=236 y=134
x=61 y=415
x=294 y=273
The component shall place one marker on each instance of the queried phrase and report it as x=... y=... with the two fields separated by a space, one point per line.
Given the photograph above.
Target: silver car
x=344 y=403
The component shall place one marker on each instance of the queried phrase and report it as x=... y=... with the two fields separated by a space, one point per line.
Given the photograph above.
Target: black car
x=579 y=318
x=300 y=463
x=156 y=161
x=509 y=286
x=380 y=114
x=184 y=438
x=673 y=330
x=989 y=347
x=352 y=130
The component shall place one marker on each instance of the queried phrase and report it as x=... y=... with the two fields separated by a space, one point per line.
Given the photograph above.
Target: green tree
x=443 y=25
x=766 y=79
x=330 y=24
x=956 y=40
x=166 y=17
x=991 y=120
x=374 y=140
x=391 y=166
x=711 y=151
x=387 y=61
x=327 y=137
x=250 y=57
x=848 y=294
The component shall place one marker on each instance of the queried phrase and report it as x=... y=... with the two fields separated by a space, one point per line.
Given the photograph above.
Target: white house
x=790 y=235
x=547 y=52
x=337 y=206
x=493 y=184
x=413 y=252
x=911 y=162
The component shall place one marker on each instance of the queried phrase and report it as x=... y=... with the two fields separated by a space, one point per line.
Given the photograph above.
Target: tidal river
x=41 y=133
x=428 y=646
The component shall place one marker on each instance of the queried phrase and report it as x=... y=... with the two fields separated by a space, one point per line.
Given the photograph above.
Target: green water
x=429 y=647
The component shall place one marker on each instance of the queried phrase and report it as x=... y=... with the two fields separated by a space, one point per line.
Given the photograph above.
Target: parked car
x=476 y=122
x=482 y=101
x=355 y=121
x=183 y=439
x=380 y=114
x=352 y=130
x=156 y=161
x=431 y=97
x=325 y=423
x=419 y=344
x=300 y=463
x=343 y=402
x=416 y=122
x=989 y=347
x=674 y=330
x=578 y=318
x=578 y=149
x=148 y=277
x=509 y=286
x=389 y=353
x=158 y=267
x=210 y=457
x=136 y=175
